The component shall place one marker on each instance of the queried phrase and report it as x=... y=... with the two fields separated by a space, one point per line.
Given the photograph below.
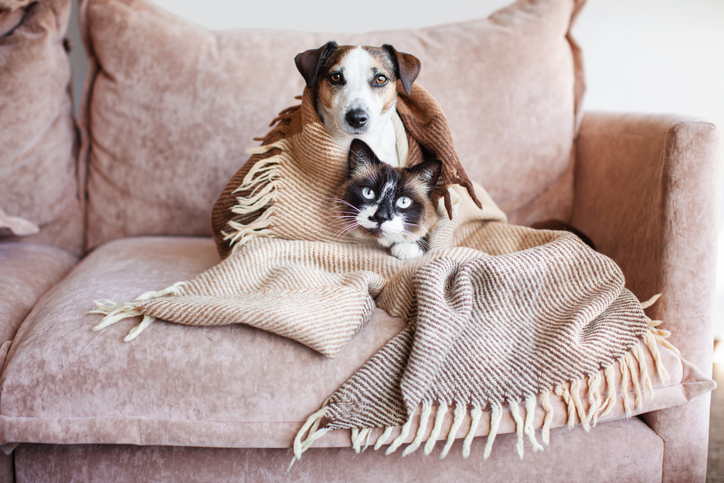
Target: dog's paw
x=407 y=250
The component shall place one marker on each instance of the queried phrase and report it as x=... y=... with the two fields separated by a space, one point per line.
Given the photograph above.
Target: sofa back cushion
x=168 y=116
x=38 y=173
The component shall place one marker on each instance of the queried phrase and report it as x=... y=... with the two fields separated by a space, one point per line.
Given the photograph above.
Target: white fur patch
x=407 y=250
x=364 y=217
x=394 y=228
x=389 y=186
x=356 y=67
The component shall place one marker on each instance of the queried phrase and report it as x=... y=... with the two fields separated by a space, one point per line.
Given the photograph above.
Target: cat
x=387 y=204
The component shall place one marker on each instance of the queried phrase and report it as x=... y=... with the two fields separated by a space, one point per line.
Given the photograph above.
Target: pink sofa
x=119 y=202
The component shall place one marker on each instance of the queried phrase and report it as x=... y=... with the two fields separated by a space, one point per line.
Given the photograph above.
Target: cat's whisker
x=342 y=234
x=344 y=230
x=424 y=243
x=343 y=202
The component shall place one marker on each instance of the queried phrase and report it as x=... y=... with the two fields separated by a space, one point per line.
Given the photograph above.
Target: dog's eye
x=380 y=80
x=368 y=193
x=336 y=78
x=403 y=202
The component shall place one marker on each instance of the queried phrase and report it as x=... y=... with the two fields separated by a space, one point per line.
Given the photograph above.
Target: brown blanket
x=498 y=315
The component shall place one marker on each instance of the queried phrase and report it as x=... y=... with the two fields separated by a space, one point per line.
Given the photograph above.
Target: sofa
x=116 y=201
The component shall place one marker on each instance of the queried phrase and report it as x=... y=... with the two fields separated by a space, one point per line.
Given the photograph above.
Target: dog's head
x=356 y=86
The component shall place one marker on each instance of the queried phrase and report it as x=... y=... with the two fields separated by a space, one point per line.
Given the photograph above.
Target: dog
x=355 y=91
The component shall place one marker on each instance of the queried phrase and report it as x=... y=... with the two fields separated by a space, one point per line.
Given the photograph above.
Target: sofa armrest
x=647 y=193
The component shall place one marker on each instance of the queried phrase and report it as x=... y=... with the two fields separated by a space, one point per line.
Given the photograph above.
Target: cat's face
x=389 y=204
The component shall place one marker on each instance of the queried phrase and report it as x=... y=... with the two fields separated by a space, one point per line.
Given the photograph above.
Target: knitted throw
x=498 y=316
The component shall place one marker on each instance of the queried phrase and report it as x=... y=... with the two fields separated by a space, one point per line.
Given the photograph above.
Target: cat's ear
x=428 y=171
x=360 y=155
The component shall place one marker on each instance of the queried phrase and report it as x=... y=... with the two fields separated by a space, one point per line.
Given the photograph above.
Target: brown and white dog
x=356 y=93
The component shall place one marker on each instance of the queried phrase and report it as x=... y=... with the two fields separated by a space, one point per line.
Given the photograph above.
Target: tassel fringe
x=421 y=430
x=116 y=312
x=261 y=185
x=515 y=411
x=439 y=419
x=530 y=405
x=459 y=416
x=496 y=414
x=548 y=420
x=476 y=414
x=634 y=377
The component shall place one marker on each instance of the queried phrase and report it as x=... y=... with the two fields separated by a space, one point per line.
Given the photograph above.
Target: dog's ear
x=407 y=66
x=428 y=171
x=309 y=62
x=360 y=154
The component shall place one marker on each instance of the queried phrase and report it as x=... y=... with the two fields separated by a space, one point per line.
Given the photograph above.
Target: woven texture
x=303 y=165
x=498 y=315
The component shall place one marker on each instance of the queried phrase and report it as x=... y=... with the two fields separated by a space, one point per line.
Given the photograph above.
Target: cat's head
x=386 y=203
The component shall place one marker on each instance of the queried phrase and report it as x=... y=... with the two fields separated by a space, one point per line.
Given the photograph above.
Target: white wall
x=640 y=55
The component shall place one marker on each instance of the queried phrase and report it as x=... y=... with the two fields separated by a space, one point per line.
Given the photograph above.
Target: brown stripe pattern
x=496 y=329
x=497 y=314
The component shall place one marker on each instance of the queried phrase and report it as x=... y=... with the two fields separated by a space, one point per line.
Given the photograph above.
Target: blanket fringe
x=515 y=412
x=437 y=428
x=459 y=416
x=401 y=438
x=635 y=377
x=594 y=398
x=421 y=430
x=261 y=184
x=384 y=437
x=610 y=402
x=548 y=420
x=311 y=429
x=476 y=413
x=116 y=312
x=530 y=405
x=496 y=414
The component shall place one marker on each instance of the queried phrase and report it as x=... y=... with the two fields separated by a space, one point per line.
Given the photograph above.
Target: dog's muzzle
x=356 y=118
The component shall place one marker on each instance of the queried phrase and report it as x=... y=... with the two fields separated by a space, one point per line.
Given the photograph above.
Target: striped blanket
x=498 y=316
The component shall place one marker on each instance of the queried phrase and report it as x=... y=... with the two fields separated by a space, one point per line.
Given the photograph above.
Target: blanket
x=498 y=316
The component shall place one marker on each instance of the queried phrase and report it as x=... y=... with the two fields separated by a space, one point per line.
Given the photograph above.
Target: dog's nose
x=356 y=118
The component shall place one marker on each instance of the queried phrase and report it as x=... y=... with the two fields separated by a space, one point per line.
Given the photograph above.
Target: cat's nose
x=381 y=215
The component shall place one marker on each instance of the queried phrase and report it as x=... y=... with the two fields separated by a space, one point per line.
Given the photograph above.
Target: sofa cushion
x=28 y=271
x=223 y=386
x=38 y=173
x=169 y=116
x=619 y=451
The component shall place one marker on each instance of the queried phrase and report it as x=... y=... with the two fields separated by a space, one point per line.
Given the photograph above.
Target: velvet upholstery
x=656 y=216
x=620 y=451
x=228 y=386
x=38 y=175
x=12 y=5
x=28 y=271
x=7 y=468
x=166 y=120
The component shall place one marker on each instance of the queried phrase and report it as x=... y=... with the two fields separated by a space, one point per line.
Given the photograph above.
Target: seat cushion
x=625 y=450
x=222 y=386
x=38 y=173
x=28 y=271
x=170 y=116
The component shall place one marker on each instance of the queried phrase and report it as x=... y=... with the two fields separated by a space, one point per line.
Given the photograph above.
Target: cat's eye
x=403 y=202
x=336 y=78
x=380 y=80
x=368 y=193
